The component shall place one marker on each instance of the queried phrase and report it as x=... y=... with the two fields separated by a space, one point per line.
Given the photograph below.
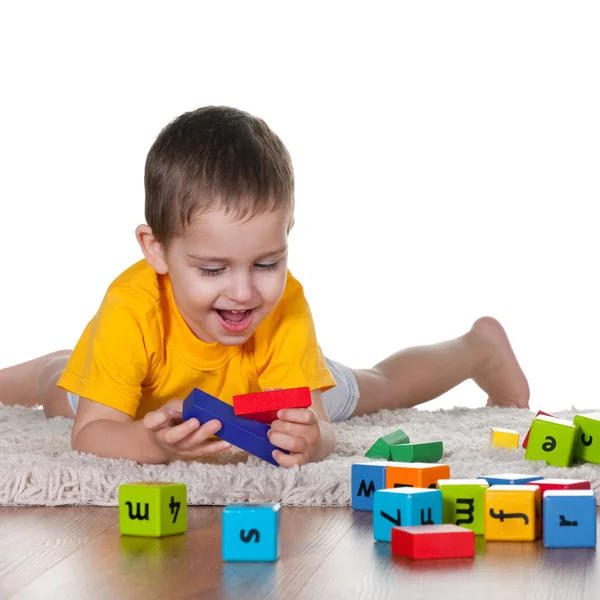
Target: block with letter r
x=569 y=519
x=152 y=508
x=250 y=532
x=404 y=506
x=552 y=440
x=513 y=513
x=366 y=479
x=463 y=502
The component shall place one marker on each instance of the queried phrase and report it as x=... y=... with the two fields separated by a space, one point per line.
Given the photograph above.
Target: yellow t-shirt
x=137 y=353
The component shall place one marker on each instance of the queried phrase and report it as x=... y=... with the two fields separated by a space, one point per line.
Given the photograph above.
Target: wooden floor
x=326 y=553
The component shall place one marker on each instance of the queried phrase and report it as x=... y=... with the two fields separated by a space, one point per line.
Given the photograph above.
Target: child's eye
x=271 y=267
x=210 y=272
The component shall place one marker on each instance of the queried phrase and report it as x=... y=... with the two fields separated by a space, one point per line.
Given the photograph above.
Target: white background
x=446 y=155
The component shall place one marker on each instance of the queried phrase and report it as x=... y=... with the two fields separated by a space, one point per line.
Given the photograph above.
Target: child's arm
x=160 y=437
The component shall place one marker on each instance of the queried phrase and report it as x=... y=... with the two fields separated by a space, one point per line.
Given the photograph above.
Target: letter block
x=152 y=508
x=588 y=439
x=425 y=452
x=510 y=478
x=463 y=502
x=263 y=406
x=561 y=484
x=405 y=506
x=250 y=532
x=539 y=412
x=433 y=541
x=366 y=479
x=418 y=475
x=512 y=513
x=248 y=435
x=552 y=440
x=382 y=447
x=504 y=438
x=569 y=519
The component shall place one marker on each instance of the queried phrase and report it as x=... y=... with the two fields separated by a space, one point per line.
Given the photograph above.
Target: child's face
x=220 y=265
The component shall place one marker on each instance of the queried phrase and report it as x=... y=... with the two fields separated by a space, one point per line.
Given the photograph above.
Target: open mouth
x=235 y=321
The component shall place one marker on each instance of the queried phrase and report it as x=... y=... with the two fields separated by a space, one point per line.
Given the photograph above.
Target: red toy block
x=263 y=406
x=561 y=484
x=540 y=412
x=433 y=541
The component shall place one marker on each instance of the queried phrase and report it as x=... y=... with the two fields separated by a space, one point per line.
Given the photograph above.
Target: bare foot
x=499 y=373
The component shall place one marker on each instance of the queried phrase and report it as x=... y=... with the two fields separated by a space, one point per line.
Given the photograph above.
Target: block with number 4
x=152 y=508
x=433 y=541
x=512 y=512
x=552 y=440
x=463 y=502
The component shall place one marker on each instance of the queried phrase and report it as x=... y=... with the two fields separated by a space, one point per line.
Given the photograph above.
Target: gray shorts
x=340 y=401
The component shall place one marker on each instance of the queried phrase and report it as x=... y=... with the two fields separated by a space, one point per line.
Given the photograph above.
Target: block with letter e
x=587 y=447
x=152 y=508
x=512 y=512
x=366 y=479
x=552 y=440
x=463 y=502
x=569 y=519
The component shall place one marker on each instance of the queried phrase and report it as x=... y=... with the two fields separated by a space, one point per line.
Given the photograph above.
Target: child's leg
x=34 y=382
x=419 y=374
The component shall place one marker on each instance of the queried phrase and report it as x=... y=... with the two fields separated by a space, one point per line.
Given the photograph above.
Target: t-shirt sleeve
x=287 y=352
x=110 y=361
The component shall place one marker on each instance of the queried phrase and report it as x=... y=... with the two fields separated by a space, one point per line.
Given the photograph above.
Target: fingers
x=289 y=460
x=288 y=442
x=178 y=433
x=305 y=416
x=157 y=419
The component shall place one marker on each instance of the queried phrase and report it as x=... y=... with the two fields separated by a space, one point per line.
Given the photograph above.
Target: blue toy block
x=366 y=479
x=399 y=507
x=510 y=478
x=248 y=435
x=569 y=519
x=250 y=532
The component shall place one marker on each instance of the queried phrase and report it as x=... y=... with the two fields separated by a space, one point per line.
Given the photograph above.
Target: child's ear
x=153 y=250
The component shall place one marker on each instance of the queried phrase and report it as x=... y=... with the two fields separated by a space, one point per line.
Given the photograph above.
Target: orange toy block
x=419 y=475
x=263 y=406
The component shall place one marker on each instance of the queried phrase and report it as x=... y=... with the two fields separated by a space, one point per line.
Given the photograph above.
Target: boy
x=212 y=305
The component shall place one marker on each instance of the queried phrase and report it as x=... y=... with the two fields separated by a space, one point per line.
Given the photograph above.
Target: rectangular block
x=366 y=479
x=540 y=412
x=425 y=452
x=382 y=446
x=263 y=406
x=503 y=438
x=569 y=519
x=433 y=541
x=552 y=440
x=418 y=475
x=248 y=435
x=463 y=502
x=510 y=478
x=512 y=512
x=587 y=446
x=561 y=484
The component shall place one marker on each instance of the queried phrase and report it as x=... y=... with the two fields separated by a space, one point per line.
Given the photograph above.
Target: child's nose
x=241 y=289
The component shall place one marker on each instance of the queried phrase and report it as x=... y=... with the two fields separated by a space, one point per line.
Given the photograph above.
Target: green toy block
x=381 y=448
x=152 y=508
x=552 y=440
x=425 y=452
x=587 y=447
x=463 y=503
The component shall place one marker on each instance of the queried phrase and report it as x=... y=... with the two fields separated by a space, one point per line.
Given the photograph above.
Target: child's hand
x=296 y=430
x=183 y=439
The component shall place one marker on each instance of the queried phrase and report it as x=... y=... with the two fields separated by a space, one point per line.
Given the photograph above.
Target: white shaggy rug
x=38 y=467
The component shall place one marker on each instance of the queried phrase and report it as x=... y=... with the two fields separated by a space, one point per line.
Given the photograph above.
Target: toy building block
x=425 y=452
x=418 y=475
x=248 y=435
x=433 y=541
x=552 y=440
x=250 y=532
x=587 y=447
x=152 y=508
x=381 y=448
x=504 y=438
x=540 y=412
x=263 y=406
x=404 y=506
x=510 y=478
x=463 y=502
x=546 y=485
x=512 y=512
x=366 y=479
x=569 y=519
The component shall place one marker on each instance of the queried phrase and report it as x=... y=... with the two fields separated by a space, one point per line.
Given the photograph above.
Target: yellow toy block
x=504 y=438
x=419 y=475
x=513 y=513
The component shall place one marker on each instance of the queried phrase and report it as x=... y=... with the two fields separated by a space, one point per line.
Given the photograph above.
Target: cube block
x=569 y=519
x=433 y=541
x=510 y=478
x=152 y=508
x=426 y=452
x=381 y=448
x=504 y=438
x=552 y=440
x=250 y=532
x=418 y=475
x=366 y=479
x=263 y=406
x=463 y=503
x=512 y=512
x=404 y=506
x=540 y=412
x=561 y=484
x=587 y=447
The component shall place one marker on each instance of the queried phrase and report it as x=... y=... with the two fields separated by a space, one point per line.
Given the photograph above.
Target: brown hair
x=215 y=157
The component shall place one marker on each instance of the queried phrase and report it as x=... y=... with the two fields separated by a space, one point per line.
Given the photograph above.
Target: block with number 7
x=552 y=440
